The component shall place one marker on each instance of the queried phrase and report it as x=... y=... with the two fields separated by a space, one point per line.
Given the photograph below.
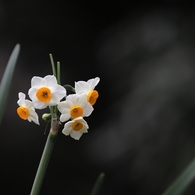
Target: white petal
x=28 y=104
x=36 y=81
x=81 y=87
x=21 y=101
x=84 y=130
x=64 y=117
x=21 y=96
x=82 y=99
x=71 y=98
x=67 y=128
x=39 y=105
x=50 y=80
x=93 y=82
x=87 y=109
x=77 y=99
x=85 y=126
x=53 y=103
x=76 y=135
x=64 y=106
x=58 y=92
x=34 y=117
x=32 y=93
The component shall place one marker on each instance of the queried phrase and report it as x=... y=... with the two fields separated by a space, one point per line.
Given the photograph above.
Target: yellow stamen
x=44 y=94
x=76 y=111
x=23 y=112
x=92 y=97
x=76 y=126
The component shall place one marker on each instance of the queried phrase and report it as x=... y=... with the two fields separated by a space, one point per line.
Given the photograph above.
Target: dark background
x=142 y=129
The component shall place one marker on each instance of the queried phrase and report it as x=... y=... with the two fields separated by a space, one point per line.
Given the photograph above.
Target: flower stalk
x=51 y=139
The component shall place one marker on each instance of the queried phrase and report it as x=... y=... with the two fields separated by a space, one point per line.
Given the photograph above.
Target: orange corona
x=76 y=111
x=92 y=97
x=77 y=126
x=44 y=94
x=23 y=112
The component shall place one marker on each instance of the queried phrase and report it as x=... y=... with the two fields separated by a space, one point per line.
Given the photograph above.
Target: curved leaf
x=183 y=181
x=98 y=184
x=7 y=78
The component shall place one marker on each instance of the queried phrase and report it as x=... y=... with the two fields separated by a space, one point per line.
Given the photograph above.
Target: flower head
x=26 y=109
x=88 y=89
x=75 y=128
x=75 y=106
x=45 y=91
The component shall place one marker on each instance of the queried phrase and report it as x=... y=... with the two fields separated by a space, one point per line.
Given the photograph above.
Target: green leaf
x=7 y=78
x=183 y=181
x=69 y=88
x=98 y=184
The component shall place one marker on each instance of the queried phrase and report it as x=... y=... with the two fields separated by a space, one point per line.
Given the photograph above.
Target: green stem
x=52 y=65
x=45 y=157
x=58 y=72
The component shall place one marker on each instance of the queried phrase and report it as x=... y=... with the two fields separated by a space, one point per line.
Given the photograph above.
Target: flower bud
x=46 y=116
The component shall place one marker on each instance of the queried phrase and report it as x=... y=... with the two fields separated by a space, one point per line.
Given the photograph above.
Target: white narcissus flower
x=45 y=91
x=26 y=111
x=75 y=128
x=88 y=89
x=76 y=105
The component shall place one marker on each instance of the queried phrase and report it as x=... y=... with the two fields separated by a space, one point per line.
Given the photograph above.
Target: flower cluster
x=73 y=108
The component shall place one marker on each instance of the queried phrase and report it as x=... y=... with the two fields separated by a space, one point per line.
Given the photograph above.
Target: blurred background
x=141 y=131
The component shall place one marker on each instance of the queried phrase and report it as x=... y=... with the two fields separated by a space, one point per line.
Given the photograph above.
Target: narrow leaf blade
x=7 y=78
x=98 y=184
x=183 y=181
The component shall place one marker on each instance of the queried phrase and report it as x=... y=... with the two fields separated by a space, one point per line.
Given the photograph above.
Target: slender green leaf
x=69 y=88
x=7 y=78
x=183 y=181
x=98 y=184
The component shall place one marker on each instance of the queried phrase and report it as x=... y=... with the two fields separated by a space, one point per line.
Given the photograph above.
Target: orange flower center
x=76 y=126
x=44 y=94
x=76 y=111
x=92 y=97
x=23 y=112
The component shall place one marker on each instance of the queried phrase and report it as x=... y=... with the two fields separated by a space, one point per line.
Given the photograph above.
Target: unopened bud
x=46 y=116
